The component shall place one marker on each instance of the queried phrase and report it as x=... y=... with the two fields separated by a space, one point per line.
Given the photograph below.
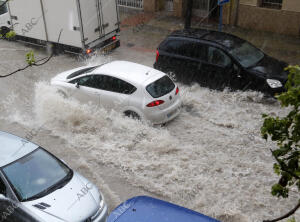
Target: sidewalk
x=144 y=32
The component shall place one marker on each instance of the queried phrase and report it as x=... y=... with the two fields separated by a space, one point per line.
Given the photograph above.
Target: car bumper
x=157 y=116
x=102 y=216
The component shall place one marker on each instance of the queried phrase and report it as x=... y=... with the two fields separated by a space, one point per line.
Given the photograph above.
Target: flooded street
x=211 y=158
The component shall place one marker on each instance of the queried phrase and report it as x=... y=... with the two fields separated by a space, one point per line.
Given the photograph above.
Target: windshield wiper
x=56 y=186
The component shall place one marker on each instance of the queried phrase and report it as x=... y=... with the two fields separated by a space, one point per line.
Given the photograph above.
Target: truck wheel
x=132 y=115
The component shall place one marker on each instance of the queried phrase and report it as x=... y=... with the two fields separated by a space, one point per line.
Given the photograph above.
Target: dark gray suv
x=218 y=60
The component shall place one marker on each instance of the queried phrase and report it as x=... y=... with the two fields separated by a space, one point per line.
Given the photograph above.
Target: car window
x=218 y=57
x=35 y=174
x=3 y=9
x=174 y=46
x=2 y=187
x=82 y=71
x=160 y=87
x=189 y=48
x=85 y=81
x=113 y=84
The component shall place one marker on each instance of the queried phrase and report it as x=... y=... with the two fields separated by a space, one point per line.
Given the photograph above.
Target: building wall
x=272 y=20
x=291 y=5
x=249 y=2
x=150 y=5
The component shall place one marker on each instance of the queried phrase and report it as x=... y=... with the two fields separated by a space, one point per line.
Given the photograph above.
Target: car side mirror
x=77 y=85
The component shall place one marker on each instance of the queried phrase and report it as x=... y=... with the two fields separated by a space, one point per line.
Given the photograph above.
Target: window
x=3 y=9
x=113 y=84
x=36 y=175
x=218 y=57
x=173 y=46
x=107 y=83
x=2 y=187
x=275 y=4
x=82 y=71
x=187 y=48
x=160 y=87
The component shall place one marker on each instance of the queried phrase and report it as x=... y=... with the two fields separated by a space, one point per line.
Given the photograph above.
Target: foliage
x=30 y=59
x=285 y=131
x=291 y=220
x=10 y=34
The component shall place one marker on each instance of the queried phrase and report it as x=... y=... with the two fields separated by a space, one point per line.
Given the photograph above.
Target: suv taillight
x=155 y=103
x=177 y=91
x=157 y=55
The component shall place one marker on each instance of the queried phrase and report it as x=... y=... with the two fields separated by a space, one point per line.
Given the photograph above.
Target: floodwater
x=211 y=158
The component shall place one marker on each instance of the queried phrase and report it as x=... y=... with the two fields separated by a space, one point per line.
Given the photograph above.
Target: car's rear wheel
x=132 y=115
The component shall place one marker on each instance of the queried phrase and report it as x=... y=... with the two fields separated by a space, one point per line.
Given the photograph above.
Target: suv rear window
x=160 y=87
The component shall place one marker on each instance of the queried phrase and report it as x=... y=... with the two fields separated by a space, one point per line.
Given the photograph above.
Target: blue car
x=148 y=209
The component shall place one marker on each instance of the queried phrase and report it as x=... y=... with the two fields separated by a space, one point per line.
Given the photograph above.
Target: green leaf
x=30 y=59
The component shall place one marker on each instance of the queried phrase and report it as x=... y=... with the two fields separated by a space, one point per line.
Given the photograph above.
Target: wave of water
x=211 y=158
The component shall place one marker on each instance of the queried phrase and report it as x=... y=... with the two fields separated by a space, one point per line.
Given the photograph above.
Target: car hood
x=270 y=68
x=76 y=201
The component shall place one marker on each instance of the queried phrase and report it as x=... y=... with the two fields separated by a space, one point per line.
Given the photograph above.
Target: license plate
x=110 y=47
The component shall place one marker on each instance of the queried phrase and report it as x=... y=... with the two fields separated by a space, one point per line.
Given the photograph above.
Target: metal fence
x=136 y=4
x=275 y=4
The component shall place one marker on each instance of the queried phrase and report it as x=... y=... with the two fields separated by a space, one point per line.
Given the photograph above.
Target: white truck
x=79 y=26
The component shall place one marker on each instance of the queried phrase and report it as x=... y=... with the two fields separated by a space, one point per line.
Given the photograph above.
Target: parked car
x=148 y=209
x=133 y=89
x=45 y=186
x=218 y=60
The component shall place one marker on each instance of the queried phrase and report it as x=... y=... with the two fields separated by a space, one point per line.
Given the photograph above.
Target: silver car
x=45 y=186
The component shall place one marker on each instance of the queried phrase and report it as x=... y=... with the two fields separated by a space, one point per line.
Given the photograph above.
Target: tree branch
x=35 y=63
x=284 y=168
x=286 y=215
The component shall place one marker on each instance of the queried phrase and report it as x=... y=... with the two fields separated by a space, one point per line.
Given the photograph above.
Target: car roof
x=221 y=38
x=148 y=209
x=132 y=72
x=13 y=148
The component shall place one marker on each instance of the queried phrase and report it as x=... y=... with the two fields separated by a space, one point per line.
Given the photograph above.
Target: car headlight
x=273 y=83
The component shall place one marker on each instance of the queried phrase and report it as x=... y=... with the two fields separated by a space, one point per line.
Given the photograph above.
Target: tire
x=132 y=115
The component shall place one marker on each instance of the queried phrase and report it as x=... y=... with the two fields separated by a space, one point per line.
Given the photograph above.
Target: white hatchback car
x=133 y=89
x=44 y=186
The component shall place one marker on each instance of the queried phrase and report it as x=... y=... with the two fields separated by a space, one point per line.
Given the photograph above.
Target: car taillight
x=155 y=103
x=177 y=91
x=157 y=55
x=88 y=51
x=114 y=38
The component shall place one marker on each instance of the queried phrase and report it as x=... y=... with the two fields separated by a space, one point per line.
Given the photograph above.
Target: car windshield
x=3 y=9
x=37 y=175
x=160 y=87
x=247 y=54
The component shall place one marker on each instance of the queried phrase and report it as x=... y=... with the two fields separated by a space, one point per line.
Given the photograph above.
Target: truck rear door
x=91 y=22
x=109 y=12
